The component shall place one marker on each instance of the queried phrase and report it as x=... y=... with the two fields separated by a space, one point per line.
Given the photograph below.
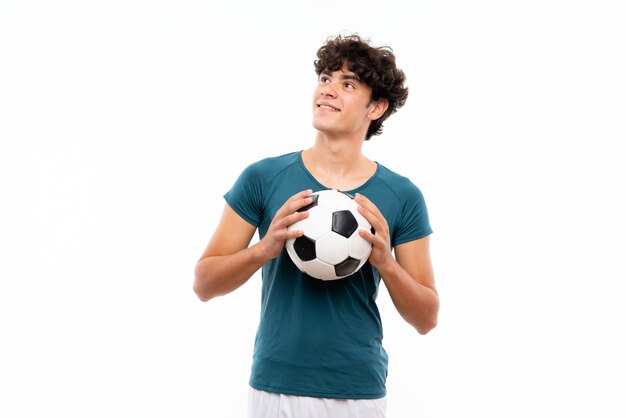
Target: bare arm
x=410 y=282
x=228 y=261
x=409 y=276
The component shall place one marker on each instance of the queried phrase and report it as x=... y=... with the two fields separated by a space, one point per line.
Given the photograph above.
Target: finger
x=295 y=202
x=380 y=237
x=370 y=211
x=301 y=194
x=295 y=233
x=301 y=199
x=367 y=235
x=367 y=204
x=370 y=217
x=293 y=218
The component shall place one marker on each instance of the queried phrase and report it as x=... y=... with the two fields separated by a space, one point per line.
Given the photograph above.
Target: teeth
x=329 y=107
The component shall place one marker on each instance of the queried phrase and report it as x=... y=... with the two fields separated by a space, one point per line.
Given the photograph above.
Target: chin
x=320 y=126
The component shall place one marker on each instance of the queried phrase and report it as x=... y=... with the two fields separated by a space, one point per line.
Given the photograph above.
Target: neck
x=338 y=164
x=341 y=155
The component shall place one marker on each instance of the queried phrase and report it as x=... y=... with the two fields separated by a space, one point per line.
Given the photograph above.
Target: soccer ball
x=331 y=247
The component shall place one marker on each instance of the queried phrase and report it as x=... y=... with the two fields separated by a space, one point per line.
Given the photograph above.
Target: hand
x=380 y=240
x=277 y=233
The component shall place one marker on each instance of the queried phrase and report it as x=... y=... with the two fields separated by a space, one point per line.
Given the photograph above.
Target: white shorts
x=263 y=404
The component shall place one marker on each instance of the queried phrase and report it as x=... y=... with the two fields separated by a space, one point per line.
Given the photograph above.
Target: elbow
x=429 y=318
x=425 y=327
x=201 y=292
x=200 y=287
x=428 y=321
x=203 y=297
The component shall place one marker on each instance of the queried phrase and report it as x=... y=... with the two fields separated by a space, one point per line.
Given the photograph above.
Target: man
x=318 y=350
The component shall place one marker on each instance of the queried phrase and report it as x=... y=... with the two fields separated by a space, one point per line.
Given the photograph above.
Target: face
x=342 y=105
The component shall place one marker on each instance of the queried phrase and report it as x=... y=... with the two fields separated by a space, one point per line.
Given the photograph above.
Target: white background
x=122 y=123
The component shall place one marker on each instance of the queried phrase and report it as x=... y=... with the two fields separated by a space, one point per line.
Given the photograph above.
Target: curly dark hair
x=375 y=66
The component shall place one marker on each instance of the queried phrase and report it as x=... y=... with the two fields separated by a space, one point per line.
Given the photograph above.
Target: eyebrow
x=343 y=76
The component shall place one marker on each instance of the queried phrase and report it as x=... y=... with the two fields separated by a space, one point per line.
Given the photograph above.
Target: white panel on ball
x=319 y=270
x=332 y=248
x=314 y=225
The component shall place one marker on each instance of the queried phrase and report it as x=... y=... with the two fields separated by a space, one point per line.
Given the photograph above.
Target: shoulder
x=403 y=205
x=400 y=185
x=270 y=166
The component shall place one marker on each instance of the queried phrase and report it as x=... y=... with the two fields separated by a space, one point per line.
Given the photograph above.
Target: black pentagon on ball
x=346 y=267
x=344 y=223
x=305 y=248
x=312 y=204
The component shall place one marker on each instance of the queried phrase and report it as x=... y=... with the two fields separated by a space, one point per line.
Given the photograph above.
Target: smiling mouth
x=333 y=109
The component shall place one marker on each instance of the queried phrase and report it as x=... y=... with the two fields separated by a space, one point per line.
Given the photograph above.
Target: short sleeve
x=246 y=195
x=414 y=222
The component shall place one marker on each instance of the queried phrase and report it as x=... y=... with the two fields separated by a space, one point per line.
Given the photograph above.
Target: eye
x=349 y=85
x=324 y=79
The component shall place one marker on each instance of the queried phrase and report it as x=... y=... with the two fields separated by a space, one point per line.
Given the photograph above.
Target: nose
x=327 y=90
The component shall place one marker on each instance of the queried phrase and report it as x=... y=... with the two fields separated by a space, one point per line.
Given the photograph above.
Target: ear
x=377 y=109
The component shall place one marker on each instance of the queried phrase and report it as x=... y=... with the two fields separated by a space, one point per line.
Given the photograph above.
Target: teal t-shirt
x=321 y=338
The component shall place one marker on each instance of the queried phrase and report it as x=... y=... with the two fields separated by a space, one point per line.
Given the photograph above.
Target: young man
x=318 y=350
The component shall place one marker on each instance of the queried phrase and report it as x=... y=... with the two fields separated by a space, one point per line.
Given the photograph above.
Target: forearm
x=221 y=274
x=416 y=303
